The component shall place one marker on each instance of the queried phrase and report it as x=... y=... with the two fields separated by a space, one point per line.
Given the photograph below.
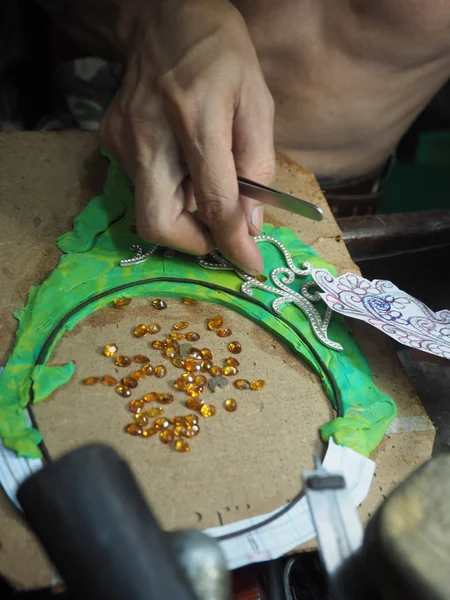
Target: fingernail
x=257 y=218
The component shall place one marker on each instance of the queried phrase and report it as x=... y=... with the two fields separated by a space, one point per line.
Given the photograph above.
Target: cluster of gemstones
x=199 y=373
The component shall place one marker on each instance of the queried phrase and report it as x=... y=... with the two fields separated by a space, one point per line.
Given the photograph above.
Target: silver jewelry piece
x=141 y=256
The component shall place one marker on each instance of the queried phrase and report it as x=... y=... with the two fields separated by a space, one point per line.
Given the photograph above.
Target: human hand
x=192 y=113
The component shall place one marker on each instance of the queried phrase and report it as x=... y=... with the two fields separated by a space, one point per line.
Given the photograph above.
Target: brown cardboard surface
x=46 y=179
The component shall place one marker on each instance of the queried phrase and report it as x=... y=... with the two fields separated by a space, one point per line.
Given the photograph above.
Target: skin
x=196 y=106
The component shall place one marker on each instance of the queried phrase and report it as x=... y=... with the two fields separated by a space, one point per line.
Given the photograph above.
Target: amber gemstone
x=129 y=382
x=191 y=365
x=121 y=302
x=207 y=354
x=261 y=278
x=160 y=371
x=175 y=335
x=215 y=323
x=194 y=390
x=258 y=384
x=137 y=375
x=179 y=429
x=232 y=361
x=230 y=405
x=134 y=429
x=110 y=349
x=181 y=325
x=159 y=304
x=123 y=391
x=169 y=352
x=192 y=431
x=149 y=432
x=166 y=436
x=189 y=301
x=178 y=362
x=182 y=446
x=191 y=420
x=151 y=397
x=136 y=406
x=208 y=410
x=242 y=384
x=162 y=423
x=229 y=371
x=108 y=380
x=147 y=369
x=225 y=332
x=188 y=378
x=235 y=347
x=140 y=358
x=154 y=412
x=215 y=371
x=206 y=366
x=91 y=380
x=165 y=398
x=200 y=380
x=194 y=404
x=171 y=343
x=192 y=336
x=177 y=420
x=153 y=328
x=140 y=330
x=195 y=353
x=158 y=344
x=122 y=361
x=141 y=419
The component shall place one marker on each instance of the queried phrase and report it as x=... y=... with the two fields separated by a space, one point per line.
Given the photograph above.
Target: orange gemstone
x=194 y=404
x=154 y=412
x=229 y=371
x=200 y=380
x=230 y=405
x=181 y=325
x=174 y=335
x=149 y=432
x=162 y=423
x=189 y=301
x=215 y=370
x=153 y=328
x=91 y=380
x=134 y=429
x=191 y=420
x=206 y=366
x=179 y=430
x=121 y=302
x=147 y=369
x=108 y=380
x=158 y=344
x=140 y=330
x=235 y=347
x=137 y=375
x=215 y=323
x=169 y=352
x=159 y=304
x=140 y=358
x=177 y=420
x=122 y=361
x=188 y=378
x=160 y=371
x=136 y=406
x=110 y=349
x=165 y=398
x=150 y=397
x=191 y=365
x=123 y=391
x=170 y=342
x=129 y=382
x=232 y=361
x=226 y=332
x=261 y=278
x=258 y=384
x=192 y=336
x=242 y=384
x=195 y=353
x=194 y=390
x=178 y=362
x=166 y=436
x=141 y=419
x=192 y=431
x=207 y=354
x=208 y=410
x=182 y=446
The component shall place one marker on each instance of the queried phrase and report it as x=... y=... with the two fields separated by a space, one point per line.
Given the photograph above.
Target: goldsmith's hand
x=193 y=111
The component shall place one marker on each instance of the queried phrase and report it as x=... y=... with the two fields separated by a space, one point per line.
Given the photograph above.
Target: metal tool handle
x=91 y=517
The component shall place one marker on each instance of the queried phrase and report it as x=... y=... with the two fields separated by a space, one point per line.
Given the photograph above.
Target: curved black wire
x=45 y=349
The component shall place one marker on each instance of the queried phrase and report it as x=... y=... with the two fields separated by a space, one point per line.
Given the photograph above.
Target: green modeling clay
x=90 y=266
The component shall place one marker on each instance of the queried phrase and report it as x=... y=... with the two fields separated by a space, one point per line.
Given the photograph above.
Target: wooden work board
x=45 y=180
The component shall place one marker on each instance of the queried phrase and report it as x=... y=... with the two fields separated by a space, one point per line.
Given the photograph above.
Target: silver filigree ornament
x=281 y=277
